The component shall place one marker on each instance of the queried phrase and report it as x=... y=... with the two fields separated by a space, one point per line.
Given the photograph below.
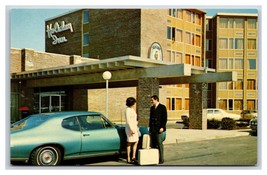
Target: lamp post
x=106 y=75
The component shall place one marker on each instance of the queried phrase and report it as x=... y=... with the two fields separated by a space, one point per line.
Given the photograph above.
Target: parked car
x=253 y=124
x=49 y=138
x=248 y=114
x=219 y=114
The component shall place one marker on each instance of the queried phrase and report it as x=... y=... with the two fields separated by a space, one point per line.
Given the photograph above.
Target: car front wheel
x=46 y=156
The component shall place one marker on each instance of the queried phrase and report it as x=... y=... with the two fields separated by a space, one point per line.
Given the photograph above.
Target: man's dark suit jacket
x=158 y=118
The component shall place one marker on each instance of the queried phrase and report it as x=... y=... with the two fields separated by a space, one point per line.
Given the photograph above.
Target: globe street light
x=106 y=75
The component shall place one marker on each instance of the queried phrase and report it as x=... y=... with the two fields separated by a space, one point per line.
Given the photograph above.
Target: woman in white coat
x=131 y=129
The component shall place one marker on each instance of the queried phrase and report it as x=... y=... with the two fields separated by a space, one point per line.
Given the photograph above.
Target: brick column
x=27 y=56
x=80 y=99
x=198 y=106
x=146 y=88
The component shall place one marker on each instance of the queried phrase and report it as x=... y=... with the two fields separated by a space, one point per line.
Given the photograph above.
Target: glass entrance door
x=50 y=103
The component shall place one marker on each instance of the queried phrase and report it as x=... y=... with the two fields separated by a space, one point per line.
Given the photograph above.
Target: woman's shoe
x=134 y=160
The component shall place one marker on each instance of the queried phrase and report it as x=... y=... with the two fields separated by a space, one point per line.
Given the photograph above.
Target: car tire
x=46 y=156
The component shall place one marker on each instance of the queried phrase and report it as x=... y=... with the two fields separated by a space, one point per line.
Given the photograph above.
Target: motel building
x=167 y=52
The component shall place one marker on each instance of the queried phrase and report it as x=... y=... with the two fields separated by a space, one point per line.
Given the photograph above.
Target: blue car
x=49 y=138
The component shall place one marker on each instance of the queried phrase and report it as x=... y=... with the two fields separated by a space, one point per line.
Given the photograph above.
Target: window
x=179 y=35
x=231 y=23
x=223 y=22
x=168 y=103
x=209 y=44
x=198 y=19
x=187 y=59
x=174 y=104
x=197 y=61
x=168 y=58
x=85 y=39
x=180 y=13
x=86 y=55
x=239 y=85
x=169 y=32
x=252 y=23
x=230 y=63
x=179 y=58
x=193 y=39
x=198 y=40
x=173 y=57
x=238 y=104
x=223 y=43
x=92 y=122
x=230 y=85
x=178 y=103
x=188 y=16
x=252 y=44
x=231 y=43
x=223 y=104
x=251 y=104
x=223 y=63
x=239 y=64
x=239 y=23
x=239 y=43
x=172 y=12
x=173 y=34
x=85 y=16
x=71 y=123
x=230 y=104
x=251 y=84
x=209 y=25
x=222 y=85
x=252 y=64
x=188 y=38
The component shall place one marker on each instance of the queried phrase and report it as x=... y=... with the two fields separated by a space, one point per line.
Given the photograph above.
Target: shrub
x=228 y=123
x=213 y=124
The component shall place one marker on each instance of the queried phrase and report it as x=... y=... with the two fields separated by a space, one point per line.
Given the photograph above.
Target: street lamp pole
x=106 y=75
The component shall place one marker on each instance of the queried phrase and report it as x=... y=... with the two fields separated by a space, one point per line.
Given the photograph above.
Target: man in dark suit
x=157 y=125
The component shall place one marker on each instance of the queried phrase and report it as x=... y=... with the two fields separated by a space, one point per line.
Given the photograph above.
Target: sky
x=27 y=25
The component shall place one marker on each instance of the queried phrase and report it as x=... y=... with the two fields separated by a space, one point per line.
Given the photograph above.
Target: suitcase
x=146 y=141
x=148 y=156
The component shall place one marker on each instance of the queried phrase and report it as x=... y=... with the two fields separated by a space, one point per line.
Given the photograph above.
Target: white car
x=219 y=114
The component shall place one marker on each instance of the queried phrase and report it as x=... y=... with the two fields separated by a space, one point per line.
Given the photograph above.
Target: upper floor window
x=85 y=16
x=223 y=44
x=239 y=23
x=179 y=35
x=231 y=23
x=252 y=64
x=239 y=43
x=251 y=43
x=198 y=19
x=251 y=84
x=208 y=45
x=188 y=16
x=223 y=23
x=252 y=23
x=85 y=39
x=86 y=55
x=180 y=13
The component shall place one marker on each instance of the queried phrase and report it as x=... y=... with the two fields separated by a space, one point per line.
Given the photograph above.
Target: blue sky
x=27 y=26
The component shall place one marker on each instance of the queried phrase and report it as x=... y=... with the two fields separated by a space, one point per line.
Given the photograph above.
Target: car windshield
x=29 y=122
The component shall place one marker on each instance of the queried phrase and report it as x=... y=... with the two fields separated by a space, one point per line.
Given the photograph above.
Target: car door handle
x=86 y=135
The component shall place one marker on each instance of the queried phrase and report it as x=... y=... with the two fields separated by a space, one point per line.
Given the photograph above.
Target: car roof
x=68 y=113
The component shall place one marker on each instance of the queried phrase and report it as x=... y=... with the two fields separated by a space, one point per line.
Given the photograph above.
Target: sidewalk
x=189 y=135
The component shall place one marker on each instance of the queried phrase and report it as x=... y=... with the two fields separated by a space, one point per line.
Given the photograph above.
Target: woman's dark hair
x=130 y=101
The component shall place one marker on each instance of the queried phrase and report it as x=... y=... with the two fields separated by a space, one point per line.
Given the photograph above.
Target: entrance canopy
x=125 y=71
